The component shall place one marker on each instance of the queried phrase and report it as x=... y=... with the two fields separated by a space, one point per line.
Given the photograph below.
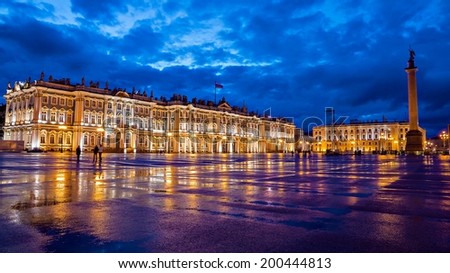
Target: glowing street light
x=444 y=137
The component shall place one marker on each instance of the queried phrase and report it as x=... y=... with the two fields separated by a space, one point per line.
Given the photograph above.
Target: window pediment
x=224 y=106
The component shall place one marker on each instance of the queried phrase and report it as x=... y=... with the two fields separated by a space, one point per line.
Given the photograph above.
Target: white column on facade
x=37 y=107
x=35 y=138
x=77 y=118
x=134 y=140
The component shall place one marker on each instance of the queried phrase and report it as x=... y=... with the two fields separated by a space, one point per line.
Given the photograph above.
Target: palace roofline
x=176 y=99
x=370 y=122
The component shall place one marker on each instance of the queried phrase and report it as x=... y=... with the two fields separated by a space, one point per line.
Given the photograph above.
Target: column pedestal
x=414 y=142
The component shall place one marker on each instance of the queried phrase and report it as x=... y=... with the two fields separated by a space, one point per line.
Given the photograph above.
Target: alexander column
x=414 y=138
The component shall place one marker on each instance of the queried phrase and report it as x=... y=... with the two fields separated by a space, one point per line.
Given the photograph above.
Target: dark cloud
x=293 y=57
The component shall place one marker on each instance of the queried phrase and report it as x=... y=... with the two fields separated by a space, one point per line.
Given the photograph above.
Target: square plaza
x=224 y=203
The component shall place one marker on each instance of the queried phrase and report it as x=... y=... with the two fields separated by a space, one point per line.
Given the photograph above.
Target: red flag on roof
x=218 y=85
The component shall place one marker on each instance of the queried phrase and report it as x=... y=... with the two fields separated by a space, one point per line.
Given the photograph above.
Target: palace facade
x=56 y=115
x=367 y=137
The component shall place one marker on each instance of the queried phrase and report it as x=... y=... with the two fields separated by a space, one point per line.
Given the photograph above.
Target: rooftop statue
x=412 y=54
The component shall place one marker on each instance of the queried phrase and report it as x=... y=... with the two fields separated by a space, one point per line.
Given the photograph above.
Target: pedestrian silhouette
x=100 y=151
x=78 y=151
x=95 y=154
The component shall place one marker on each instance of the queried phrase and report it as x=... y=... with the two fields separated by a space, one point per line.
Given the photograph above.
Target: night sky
x=292 y=57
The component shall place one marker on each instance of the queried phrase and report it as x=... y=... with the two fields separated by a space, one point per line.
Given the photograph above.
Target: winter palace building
x=57 y=115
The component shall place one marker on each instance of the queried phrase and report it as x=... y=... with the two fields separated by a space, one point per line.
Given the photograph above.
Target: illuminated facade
x=2 y=119
x=56 y=115
x=366 y=137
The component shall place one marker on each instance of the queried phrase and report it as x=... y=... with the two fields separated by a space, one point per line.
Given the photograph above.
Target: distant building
x=366 y=137
x=57 y=115
x=303 y=142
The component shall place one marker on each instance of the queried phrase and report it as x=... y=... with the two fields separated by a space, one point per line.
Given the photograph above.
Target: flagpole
x=215 y=93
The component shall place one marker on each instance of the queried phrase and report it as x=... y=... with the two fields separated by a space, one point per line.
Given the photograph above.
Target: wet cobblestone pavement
x=224 y=203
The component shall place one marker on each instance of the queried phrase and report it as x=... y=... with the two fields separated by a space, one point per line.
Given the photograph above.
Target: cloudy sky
x=292 y=57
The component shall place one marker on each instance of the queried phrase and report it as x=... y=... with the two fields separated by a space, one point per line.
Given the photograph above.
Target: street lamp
x=444 y=137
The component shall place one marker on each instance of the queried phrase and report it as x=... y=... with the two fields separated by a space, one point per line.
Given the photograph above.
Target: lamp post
x=444 y=137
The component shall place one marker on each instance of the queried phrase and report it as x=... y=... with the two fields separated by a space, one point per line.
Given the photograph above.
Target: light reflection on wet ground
x=224 y=203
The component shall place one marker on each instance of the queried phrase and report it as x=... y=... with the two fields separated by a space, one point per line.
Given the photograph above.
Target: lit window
x=86 y=118
x=44 y=116
x=53 y=117
x=61 y=117
x=43 y=139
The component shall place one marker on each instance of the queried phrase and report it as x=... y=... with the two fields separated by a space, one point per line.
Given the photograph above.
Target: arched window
x=93 y=120
x=52 y=139
x=99 y=119
x=53 y=116
x=61 y=117
x=44 y=115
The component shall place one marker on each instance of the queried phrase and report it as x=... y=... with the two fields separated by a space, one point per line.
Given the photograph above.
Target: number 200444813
x=296 y=263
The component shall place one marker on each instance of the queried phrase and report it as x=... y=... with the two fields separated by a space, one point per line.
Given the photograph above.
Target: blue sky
x=294 y=57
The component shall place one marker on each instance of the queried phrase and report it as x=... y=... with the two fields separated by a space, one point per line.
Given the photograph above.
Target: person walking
x=78 y=151
x=94 y=160
x=100 y=151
